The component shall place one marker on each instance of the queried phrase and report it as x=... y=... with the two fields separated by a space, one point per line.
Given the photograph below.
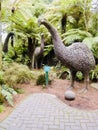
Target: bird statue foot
x=70 y=88
x=84 y=90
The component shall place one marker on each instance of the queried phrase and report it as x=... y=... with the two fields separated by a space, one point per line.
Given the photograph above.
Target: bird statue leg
x=33 y=62
x=36 y=63
x=73 y=73
x=86 y=82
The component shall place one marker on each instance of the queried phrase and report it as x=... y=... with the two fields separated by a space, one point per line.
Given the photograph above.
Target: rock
x=69 y=95
x=95 y=85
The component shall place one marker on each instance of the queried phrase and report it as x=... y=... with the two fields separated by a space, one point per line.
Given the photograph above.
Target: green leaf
x=8 y=94
x=75 y=34
x=90 y=41
x=2 y=108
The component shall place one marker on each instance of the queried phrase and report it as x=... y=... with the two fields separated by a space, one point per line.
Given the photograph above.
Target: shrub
x=19 y=90
x=2 y=108
x=63 y=73
x=5 y=65
x=41 y=80
x=1 y=98
x=79 y=76
x=94 y=74
x=17 y=74
x=1 y=77
x=8 y=93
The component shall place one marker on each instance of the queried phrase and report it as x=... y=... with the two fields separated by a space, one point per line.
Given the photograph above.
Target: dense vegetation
x=74 y=20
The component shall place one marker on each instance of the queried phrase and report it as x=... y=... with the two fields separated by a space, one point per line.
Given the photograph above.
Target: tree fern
x=47 y=49
x=75 y=34
x=90 y=41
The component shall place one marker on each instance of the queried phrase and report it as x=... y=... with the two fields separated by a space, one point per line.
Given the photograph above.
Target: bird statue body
x=77 y=57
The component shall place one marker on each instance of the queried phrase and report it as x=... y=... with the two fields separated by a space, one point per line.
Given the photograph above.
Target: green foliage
x=19 y=90
x=16 y=74
x=63 y=72
x=95 y=50
x=25 y=23
x=47 y=49
x=94 y=74
x=81 y=22
x=0 y=53
x=92 y=43
x=93 y=24
x=8 y=89
x=75 y=34
x=8 y=93
x=17 y=54
x=21 y=49
x=9 y=56
x=1 y=77
x=41 y=80
x=1 y=98
x=79 y=76
x=39 y=8
x=89 y=41
x=2 y=108
x=5 y=65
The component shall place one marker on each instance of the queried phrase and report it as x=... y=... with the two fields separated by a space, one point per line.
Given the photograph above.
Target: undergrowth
x=17 y=74
x=2 y=108
x=7 y=94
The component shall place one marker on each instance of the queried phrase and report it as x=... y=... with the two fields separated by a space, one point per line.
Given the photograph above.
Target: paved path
x=46 y=112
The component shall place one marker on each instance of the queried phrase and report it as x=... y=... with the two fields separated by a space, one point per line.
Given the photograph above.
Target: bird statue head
x=40 y=21
x=12 y=33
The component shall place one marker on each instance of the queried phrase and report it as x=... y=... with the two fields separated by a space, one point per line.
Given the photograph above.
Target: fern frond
x=90 y=41
x=75 y=34
x=8 y=94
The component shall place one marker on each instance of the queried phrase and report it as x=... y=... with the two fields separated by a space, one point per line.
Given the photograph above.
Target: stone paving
x=46 y=112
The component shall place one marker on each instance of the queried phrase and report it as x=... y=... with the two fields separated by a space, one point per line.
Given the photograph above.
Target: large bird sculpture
x=77 y=57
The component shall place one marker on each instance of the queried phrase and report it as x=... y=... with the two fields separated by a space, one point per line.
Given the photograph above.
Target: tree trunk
x=31 y=44
x=63 y=23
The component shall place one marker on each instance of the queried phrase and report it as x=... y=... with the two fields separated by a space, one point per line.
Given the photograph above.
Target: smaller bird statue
x=38 y=53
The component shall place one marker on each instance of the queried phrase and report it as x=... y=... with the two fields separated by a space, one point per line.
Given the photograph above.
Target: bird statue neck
x=42 y=42
x=55 y=36
x=58 y=44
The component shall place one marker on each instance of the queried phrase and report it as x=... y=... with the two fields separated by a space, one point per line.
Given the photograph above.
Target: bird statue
x=38 y=53
x=77 y=57
x=10 y=35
